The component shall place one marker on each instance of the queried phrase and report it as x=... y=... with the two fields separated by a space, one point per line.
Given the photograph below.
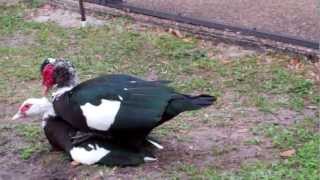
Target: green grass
x=304 y=165
x=118 y=48
x=30 y=132
x=33 y=136
x=289 y=137
x=303 y=137
x=27 y=151
x=253 y=141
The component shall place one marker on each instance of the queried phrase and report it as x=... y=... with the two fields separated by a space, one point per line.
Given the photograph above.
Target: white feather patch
x=43 y=123
x=48 y=113
x=88 y=157
x=149 y=159
x=61 y=91
x=102 y=116
x=51 y=60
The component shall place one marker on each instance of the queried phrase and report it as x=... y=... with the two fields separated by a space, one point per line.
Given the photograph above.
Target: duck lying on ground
x=91 y=151
x=119 y=105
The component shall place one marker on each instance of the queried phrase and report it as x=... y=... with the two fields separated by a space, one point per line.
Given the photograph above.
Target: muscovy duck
x=91 y=151
x=119 y=105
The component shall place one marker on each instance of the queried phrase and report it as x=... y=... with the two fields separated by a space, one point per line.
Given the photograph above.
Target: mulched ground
x=298 y=18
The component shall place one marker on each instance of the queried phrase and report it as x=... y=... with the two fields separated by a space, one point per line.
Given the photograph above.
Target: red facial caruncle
x=24 y=109
x=47 y=77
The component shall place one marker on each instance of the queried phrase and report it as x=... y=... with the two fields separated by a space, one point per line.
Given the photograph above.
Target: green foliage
x=26 y=152
x=253 y=141
x=263 y=104
x=176 y=48
x=303 y=165
x=34 y=3
x=296 y=103
x=316 y=99
x=29 y=131
x=119 y=48
x=291 y=137
x=284 y=82
x=33 y=135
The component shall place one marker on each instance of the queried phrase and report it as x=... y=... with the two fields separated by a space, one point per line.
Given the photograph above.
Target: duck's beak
x=18 y=115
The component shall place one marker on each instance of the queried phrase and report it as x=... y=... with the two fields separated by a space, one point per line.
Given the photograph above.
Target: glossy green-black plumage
x=142 y=102
x=59 y=134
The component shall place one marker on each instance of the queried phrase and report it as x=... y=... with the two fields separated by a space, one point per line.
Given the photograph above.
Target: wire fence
x=296 y=21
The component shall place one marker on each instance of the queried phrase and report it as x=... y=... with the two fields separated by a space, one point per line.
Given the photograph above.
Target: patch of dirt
x=227 y=148
x=9 y=3
x=222 y=141
x=14 y=168
x=229 y=52
x=44 y=165
x=222 y=146
x=64 y=18
x=17 y=40
x=6 y=111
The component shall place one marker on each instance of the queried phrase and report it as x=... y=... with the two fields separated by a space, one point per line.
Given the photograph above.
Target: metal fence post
x=83 y=15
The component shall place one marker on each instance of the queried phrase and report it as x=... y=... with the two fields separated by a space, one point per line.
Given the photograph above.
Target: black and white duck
x=91 y=151
x=119 y=105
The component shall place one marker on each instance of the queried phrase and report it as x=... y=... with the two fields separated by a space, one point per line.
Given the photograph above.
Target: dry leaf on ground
x=288 y=153
x=175 y=33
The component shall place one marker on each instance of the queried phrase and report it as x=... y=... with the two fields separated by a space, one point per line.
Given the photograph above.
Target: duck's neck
x=48 y=110
x=66 y=85
x=65 y=74
x=72 y=81
x=61 y=91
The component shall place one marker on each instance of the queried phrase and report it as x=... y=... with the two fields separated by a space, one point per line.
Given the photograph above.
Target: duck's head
x=57 y=72
x=33 y=107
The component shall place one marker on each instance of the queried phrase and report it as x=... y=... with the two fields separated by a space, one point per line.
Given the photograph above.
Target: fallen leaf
x=187 y=40
x=294 y=62
x=176 y=33
x=99 y=57
x=164 y=62
x=46 y=7
x=269 y=60
x=317 y=65
x=225 y=61
x=243 y=130
x=152 y=75
x=210 y=54
x=75 y=163
x=288 y=153
x=312 y=107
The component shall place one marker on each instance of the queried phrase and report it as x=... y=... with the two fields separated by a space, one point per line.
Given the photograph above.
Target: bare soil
x=62 y=17
x=221 y=143
x=222 y=146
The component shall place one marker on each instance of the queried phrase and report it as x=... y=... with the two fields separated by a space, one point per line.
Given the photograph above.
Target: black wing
x=142 y=102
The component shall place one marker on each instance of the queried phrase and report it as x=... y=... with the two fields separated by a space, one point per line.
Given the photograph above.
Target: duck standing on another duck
x=91 y=151
x=122 y=106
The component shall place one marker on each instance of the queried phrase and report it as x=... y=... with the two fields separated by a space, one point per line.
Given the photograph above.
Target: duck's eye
x=26 y=107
